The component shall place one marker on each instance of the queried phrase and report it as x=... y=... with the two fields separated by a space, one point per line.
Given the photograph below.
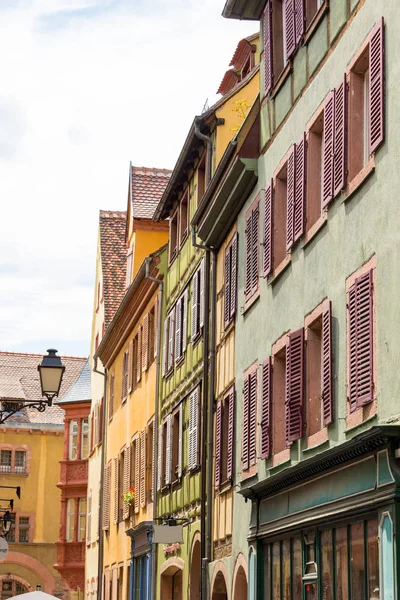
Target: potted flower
x=129 y=496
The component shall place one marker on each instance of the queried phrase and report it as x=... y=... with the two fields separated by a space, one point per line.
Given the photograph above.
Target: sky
x=86 y=87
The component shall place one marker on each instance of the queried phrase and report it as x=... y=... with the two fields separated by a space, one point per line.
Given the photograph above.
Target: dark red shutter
x=231 y=425
x=234 y=275
x=300 y=189
x=245 y=438
x=340 y=138
x=227 y=291
x=326 y=361
x=253 y=418
x=376 y=87
x=299 y=16
x=266 y=409
x=352 y=342
x=218 y=439
x=364 y=339
x=290 y=187
x=327 y=150
x=268 y=229
x=247 y=283
x=255 y=246
x=289 y=25
x=267 y=30
x=294 y=386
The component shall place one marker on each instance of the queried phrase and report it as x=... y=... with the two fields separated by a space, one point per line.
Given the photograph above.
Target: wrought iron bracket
x=8 y=409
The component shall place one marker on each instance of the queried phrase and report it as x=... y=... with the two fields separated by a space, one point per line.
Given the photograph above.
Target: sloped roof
x=80 y=390
x=147 y=187
x=242 y=51
x=113 y=260
x=19 y=374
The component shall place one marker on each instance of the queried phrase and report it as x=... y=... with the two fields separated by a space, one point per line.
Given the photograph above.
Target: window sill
x=228 y=328
x=281 y=80
x=282 y=457
x=225 y=487
x=360 y=178
x=248 y=303
x=280 y=268
x=320 y=438
x=360 y=416
x=183 y=239
x=172 y=258
x=250 y=473
x=313 y=26
x=179 y=361
x=314 y=229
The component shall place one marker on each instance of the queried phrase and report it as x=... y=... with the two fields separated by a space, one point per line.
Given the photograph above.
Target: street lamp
x=51 y=372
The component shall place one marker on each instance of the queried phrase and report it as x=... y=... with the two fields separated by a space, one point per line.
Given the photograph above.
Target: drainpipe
x=156 y=422
x=102 y=455
x=208 y=142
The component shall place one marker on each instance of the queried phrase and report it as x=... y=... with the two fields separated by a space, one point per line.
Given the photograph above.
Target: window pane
x=6 y=461
x=286 y=570
x=357 y=561
x=342 y=591
x=297 y=570
x=276 y=571
x=20 y=461
x=373 y=559
x=85 y=438
x=70 y=519
x=326 y=565
x=73 y=439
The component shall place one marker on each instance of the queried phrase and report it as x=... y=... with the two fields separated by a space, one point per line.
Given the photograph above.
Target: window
x=89 y=519
x=11 y=537
x=252 y=242
x=184 y=218
x=142 y=468
x=198 y=301
x=145 y=342
x=280 y=39
x=278 y=441
x=166 y=451
x=111 y=396
x=152 y=344
x=126 y=479
x=168 y=343
x=176 y=454
x=85 y=438
x=194 y=430
x=135 y=469
x=6 y=461
x=120 y=487
x=170 y=449
x=314 y=170
x=224 y=438
x=173 y=236
x=20 y=461
x=125 y=369
x=129 y=262
x=11 y=587
x=70 y=520
x=149 y=461
x=312 y=7
x=360 y=341
x=23 y=526
x=249 y=433
x=73 y=439
x=230 y=290
x=181 y=326
x=106 y=497
x=136 y=358
x=366 y=110
x=201 y=178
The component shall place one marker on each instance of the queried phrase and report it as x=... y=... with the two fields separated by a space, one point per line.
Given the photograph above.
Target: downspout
x=208 y=142
x=156 y=424
x=103 y=448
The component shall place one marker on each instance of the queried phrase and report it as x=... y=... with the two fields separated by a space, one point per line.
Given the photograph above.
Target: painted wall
x=147 y=237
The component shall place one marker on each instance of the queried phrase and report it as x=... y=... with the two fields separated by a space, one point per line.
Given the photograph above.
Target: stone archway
x=195 y=569
x=171 y=583
x=219 y=590
x=239 y=584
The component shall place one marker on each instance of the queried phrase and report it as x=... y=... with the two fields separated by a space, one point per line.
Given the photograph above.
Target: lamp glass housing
x=51 y=372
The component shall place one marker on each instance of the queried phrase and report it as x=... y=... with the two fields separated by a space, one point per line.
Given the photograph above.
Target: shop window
x=184 y=218
x=23 y=526
x=70 y=520
x=85 y=438
x=73 y=439
x=173 y=236
x=5 y=458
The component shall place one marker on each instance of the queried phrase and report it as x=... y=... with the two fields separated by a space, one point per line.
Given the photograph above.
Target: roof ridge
x=163 y=170
x=113 y=213
x=10 y=352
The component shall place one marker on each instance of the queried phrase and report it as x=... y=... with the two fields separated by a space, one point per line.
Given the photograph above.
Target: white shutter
x=180 y=441
x=159 y=458
x=168 y=452
x=171 y=332
x=184 y=320
x=164 y=353
x=193 y=429
x=178 y=325
x=201 y=283
x=195 y=305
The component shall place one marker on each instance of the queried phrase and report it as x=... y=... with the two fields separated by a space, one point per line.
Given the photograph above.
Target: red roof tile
x=20 y=371
x=113 y=260
x=148 y=185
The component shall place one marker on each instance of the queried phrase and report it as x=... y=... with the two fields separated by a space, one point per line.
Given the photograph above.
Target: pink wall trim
x=36 y=567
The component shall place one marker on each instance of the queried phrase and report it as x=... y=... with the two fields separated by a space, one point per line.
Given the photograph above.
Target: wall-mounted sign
x=167 y=534
x=3 y=548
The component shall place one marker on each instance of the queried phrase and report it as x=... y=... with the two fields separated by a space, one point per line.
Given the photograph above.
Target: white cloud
x=87 y=86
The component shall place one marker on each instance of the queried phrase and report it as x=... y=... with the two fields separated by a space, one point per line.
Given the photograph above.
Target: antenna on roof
x=205 y=107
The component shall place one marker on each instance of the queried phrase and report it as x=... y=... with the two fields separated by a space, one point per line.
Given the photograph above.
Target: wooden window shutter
x=340 y=138
x=159 y=458
x=300 y=189
x=184 y=320
x=227 y=288
x=165 y=346
x=180 y=442
x=234 y=275
x=231 y=433
x=267 y=31
x=127 y=474
x=116 y=503
x=327 y=150
x=89 y=519
x=299 y=17
x=201 y=286
x=290 y=28
x=106 y=497
x=255 y=244
x=125 y=371
x=266 y=394
x=193 y=432
x=168 y=456
x=111 y=401
x=153 y=451
x=195 y=305
x=326 y=362
x=139 y=355
x=248 y=255
x=171 y=335
x=218 y=441
x=376 y=87
x=291 y=165
x=268 y=229
x=178 y=327
x=361 y=341
x=294 y=386
x=137 y=473
x=145 y=343
x=245 y=427
x=142 y=438
x=101 y=420
x=130 y=365
x=253 y=418
x=156 y=316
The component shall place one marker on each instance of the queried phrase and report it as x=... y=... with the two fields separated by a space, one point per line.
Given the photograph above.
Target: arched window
x=10 y=588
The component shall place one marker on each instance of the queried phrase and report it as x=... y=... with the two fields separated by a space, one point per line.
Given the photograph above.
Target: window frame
x=252 y=253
